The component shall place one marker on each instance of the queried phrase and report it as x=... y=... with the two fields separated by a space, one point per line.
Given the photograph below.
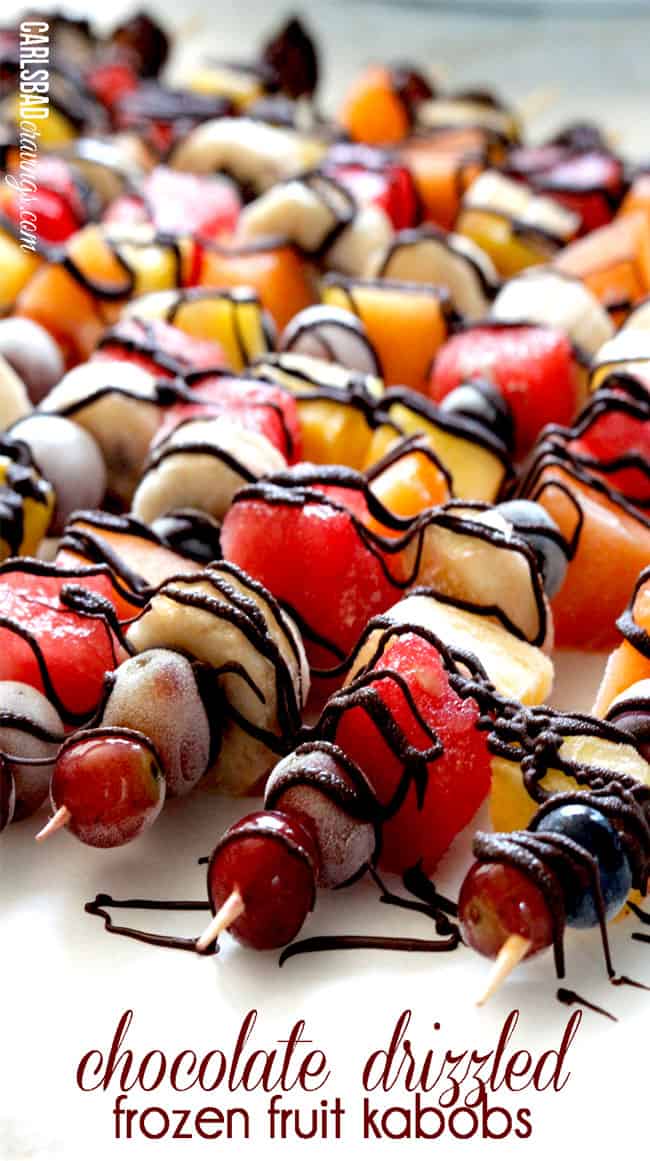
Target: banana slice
x=14 y=400
x=253 y=153
x=428 y=255
x=224 y=618
x=628 y=351
x=118 y=404
x=516 y=669
x=201 y=465
x=550 y=298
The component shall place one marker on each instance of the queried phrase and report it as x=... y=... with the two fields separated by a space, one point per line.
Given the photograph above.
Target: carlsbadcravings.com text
x=405 y=1092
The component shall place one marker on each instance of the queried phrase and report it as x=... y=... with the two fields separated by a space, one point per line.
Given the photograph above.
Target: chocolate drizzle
x=100 y=907
x=378 y=410
x=90 y=535
x=427 y=902
x=366 y=943
x=637 y=636
x=228 y=594
x=299 y=327
x=410 y=238
x=236 y=297
x=553 y=861
x=303 y=484
x=565 y=996
x=80 y=600
x=325 y=767
x=19 y=482
x=608 y=400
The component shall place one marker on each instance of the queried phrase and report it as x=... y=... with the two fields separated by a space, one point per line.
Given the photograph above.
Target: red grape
x=496 y=901
x=111 y=782
x=271 y=859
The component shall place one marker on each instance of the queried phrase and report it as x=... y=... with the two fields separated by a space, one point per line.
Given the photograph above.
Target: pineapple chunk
x=511 y=807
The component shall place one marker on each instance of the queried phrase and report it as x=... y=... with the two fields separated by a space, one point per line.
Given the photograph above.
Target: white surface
x=66 y=983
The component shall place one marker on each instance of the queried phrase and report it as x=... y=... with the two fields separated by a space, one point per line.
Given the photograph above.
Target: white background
x=65 y=983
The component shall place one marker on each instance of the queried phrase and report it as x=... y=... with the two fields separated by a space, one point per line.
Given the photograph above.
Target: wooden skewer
x=226 y=915
x=537 y=101
x=191 y=26
x=513 y=951
x=58 y=820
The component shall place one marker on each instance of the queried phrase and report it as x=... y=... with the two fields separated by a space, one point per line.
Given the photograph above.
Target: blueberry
x=590 y=829
x=479 y=400
x=533 y=524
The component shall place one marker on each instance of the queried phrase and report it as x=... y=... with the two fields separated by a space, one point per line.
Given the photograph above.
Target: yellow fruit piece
x=37 y=510
x=494 y=234
x=333 y=433
x=457 y=561
x=410 y=485
x=232 y=318
x=130 y=259
x=54 y=130
x=628 y=353
x=476 y=472
x=238 y=86
x=511 y=807
x=335 y=430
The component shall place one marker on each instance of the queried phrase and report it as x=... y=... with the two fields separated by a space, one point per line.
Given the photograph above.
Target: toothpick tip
x=59 y=819
x=515 y=948
x=227 y=914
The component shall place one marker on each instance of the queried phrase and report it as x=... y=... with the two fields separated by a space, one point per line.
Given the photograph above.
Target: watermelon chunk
x=307 y=545
x=532 y=367
x=422 y=822
x=43 y=643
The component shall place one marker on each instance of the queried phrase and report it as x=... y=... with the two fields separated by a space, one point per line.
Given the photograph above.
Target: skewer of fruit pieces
x=277 y=431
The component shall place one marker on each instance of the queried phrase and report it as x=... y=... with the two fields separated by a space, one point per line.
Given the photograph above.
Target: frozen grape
x=157 y=693
x=111 y=784
x=317 y=782
x=270 y=860
x=33 y=354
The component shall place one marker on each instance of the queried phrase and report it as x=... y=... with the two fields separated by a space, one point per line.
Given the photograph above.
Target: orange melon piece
x=131 y=260
x=124 y=546
x=275 y=270
x=410 y=484
x=55 y=299
x=17 y=267
x=406 y=323
x=443 y=167
x=613 y=262
x=627 y=664
x=372 y=112
x=613 y=546
x=637 y=200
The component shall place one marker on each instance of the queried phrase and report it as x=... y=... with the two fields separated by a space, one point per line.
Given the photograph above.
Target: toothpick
x=58 y=820
x=513 y=951
x=225 y=917
x=191 y=26
x=536 y=102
